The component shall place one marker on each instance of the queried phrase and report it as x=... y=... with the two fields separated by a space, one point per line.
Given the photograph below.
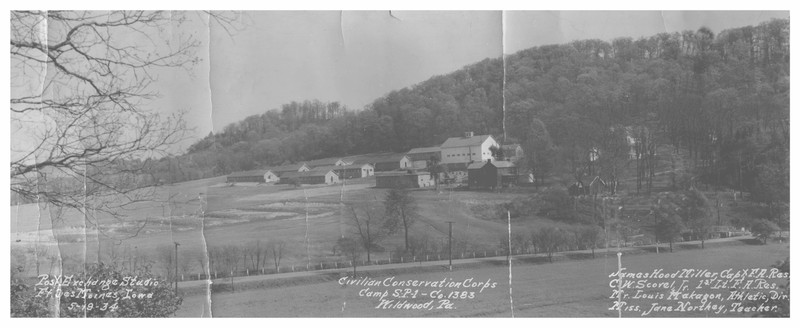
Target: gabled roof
x=465 y=141
x=287 y=167
x=424 y=150
x=597 y=179
x=497 y=164
x=349 y=166
x=251 y=173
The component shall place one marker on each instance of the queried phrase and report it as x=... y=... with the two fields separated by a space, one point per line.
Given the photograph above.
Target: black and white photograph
x=399 y=163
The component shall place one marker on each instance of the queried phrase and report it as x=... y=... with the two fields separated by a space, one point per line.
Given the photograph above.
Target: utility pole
x=176 y=267
x=450 y=243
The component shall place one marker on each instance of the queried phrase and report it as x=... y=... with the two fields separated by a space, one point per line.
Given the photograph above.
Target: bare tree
x=166 y=260
x=351 y=249
x=549 y=240
x=367 y=228
x=82 y=127
x=591 y=236
x=276 y=248
x=230 y=259
x=401 y=212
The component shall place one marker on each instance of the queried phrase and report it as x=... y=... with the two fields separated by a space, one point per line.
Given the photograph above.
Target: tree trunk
x=670 y=246
x=405 y=232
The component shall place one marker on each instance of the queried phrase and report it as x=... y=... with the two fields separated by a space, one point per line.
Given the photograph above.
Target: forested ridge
x=721 y=97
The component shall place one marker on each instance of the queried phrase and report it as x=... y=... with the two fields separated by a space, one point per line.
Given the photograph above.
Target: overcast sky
x=356 y=56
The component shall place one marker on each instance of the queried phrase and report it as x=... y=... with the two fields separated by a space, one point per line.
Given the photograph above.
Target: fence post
x=426 y=257
x=292 y=268
x=247 y=272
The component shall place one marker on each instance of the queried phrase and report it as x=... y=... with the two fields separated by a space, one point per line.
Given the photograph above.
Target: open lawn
x=561 y=289
x=204 y=214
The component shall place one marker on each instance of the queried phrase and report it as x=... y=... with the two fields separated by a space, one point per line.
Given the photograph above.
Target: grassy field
x=204 y=214
x=561 y=289
x=208 y=213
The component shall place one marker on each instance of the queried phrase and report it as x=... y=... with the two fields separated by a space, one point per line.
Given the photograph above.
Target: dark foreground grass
x=565 y=288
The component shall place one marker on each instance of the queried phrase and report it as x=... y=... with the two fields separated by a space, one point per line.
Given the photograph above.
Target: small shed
x=491 y=174
x=597 y=186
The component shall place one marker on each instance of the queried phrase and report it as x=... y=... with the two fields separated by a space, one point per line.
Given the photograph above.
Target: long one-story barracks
x=352 y=171
x=403 y=179
x=313 y=176
x=260 y=176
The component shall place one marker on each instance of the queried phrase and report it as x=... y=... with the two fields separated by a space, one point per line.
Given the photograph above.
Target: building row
x=325 y=170
x=469 y=157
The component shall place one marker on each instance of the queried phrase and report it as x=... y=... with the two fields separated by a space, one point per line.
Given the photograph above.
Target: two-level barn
x=468 y=149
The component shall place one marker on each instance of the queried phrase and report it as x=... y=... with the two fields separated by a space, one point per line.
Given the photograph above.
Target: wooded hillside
x=724 y=98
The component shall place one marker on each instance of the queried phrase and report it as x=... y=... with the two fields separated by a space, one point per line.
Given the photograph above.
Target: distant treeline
x=724 y=98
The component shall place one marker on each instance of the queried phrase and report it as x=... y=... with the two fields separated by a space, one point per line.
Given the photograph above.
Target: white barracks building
x=467 y=149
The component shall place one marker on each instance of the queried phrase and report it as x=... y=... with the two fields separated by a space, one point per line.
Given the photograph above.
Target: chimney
x=468 y=134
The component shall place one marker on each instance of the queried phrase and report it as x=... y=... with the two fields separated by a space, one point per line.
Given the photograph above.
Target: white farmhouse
x=468 y=149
